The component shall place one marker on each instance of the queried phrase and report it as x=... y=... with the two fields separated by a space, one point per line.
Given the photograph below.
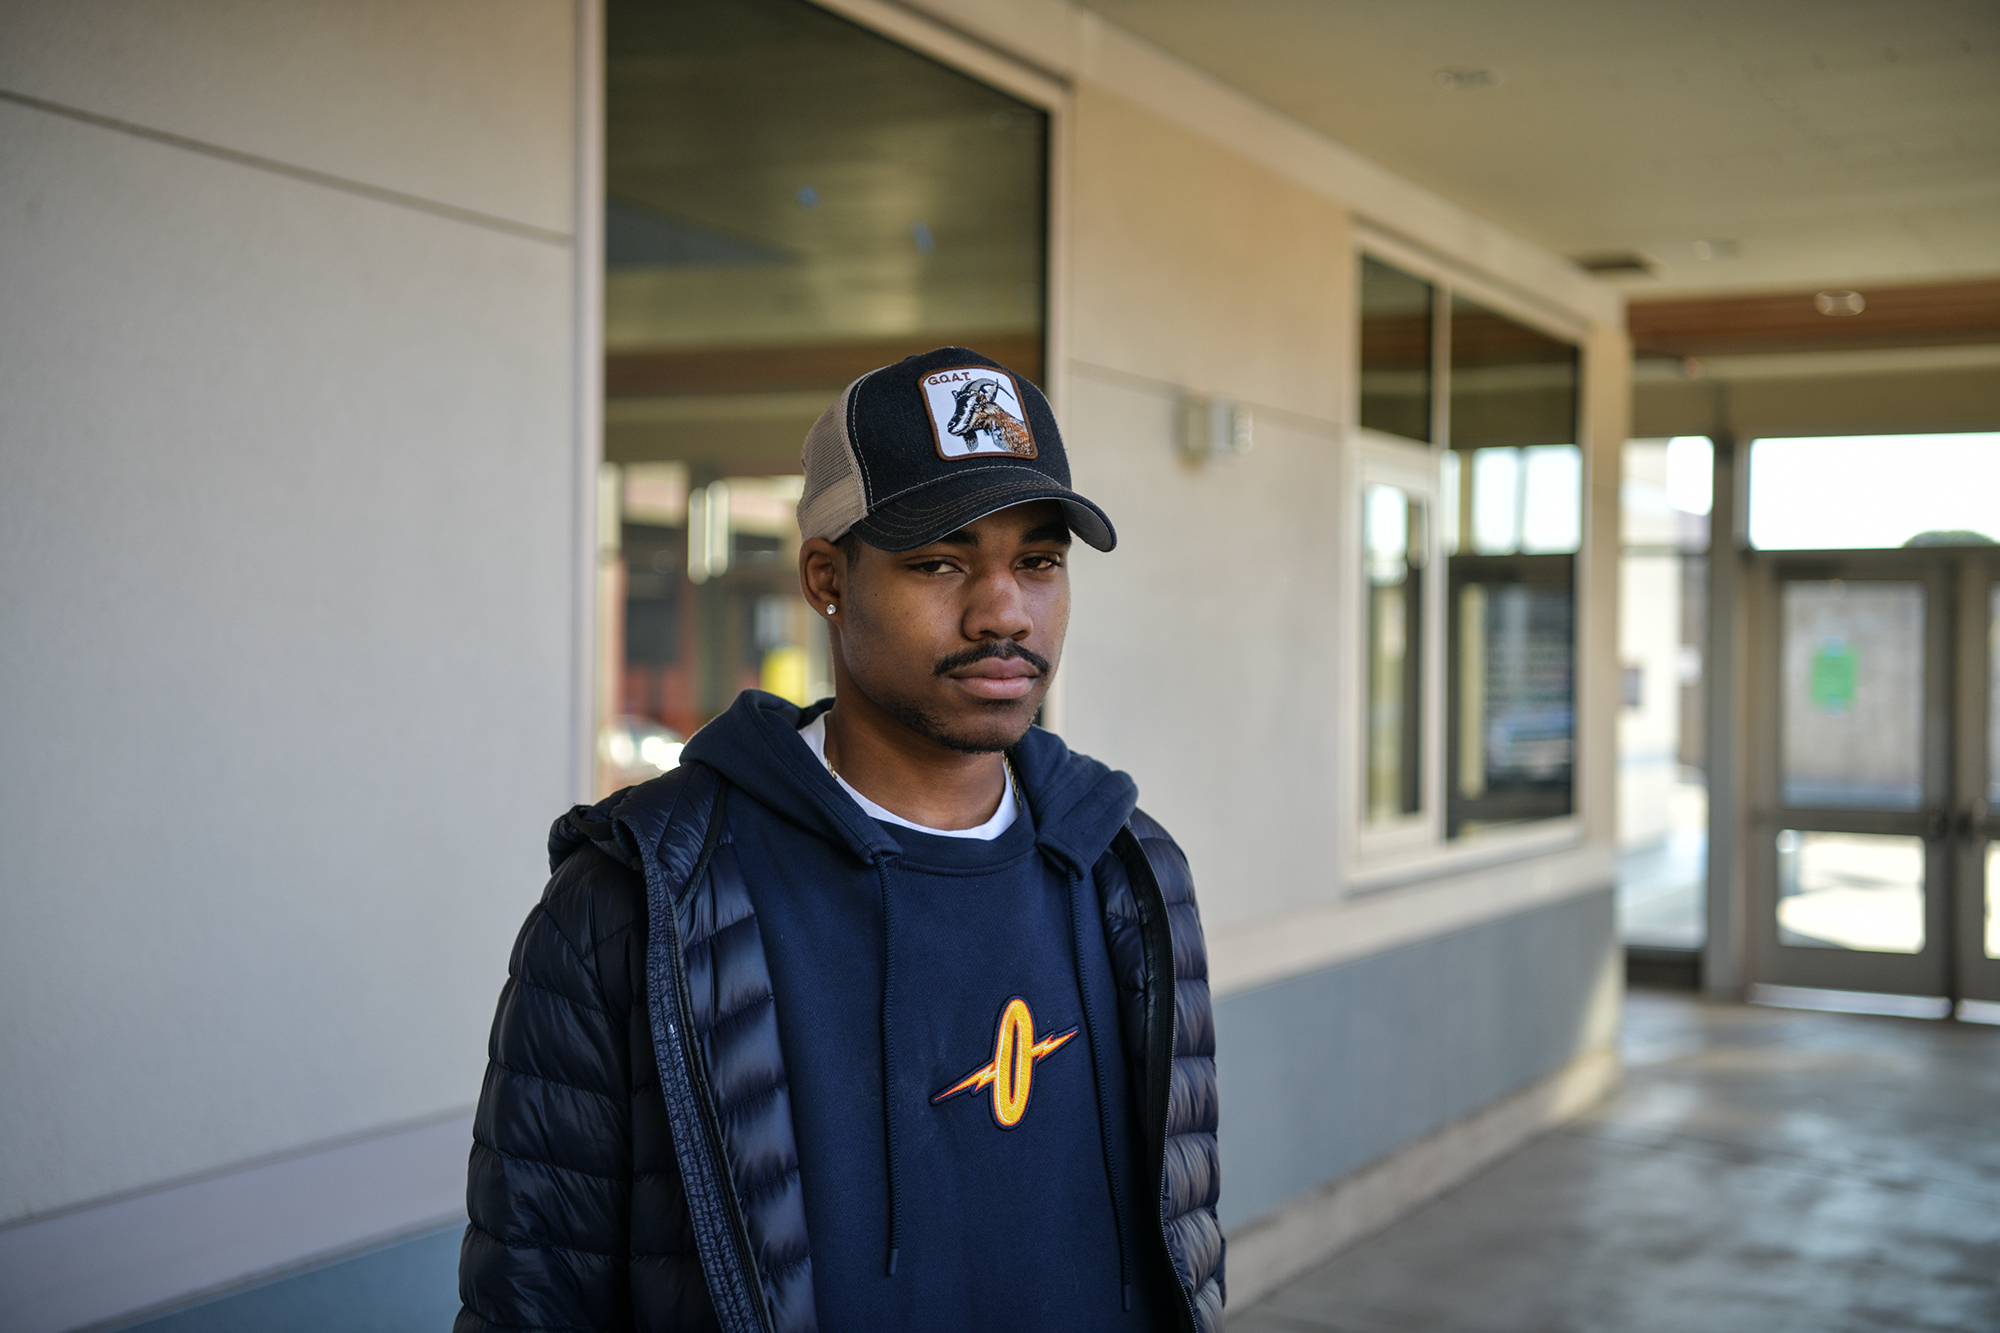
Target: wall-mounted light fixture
x=1214 y=427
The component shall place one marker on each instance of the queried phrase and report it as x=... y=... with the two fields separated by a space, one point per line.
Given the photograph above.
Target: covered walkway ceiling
x=1770 y=146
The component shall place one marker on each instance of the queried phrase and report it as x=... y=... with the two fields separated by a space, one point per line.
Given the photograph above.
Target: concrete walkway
x=1760 y=1171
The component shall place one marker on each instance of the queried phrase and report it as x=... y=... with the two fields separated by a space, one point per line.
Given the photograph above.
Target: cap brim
x=922 y=515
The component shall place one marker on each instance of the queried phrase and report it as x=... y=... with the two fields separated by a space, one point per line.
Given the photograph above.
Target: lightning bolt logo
x=1011 y=1071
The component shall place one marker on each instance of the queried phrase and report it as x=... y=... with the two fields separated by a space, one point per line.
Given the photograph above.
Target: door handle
x=1951 y=824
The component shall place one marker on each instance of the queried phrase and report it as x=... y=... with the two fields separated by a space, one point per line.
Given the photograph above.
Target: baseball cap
x=919 y=449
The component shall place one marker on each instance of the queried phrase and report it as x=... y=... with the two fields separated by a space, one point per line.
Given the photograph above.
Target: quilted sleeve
x=550 y=1180
x=1193 y=1181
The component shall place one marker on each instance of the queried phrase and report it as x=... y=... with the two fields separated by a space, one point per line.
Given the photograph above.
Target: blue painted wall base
x=408 y=1287
x=1324 y=1073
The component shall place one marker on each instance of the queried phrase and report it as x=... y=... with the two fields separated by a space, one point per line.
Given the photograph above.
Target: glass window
x=1512 y=489
x=789 y=207
x=1664 y=501
x=1513 y=692
x=1395 y=541
x=1852 y=694
x=1923 y=490
x=1860 y=891
x=1395 y=351
x=1510 y=384
x=1993 y=697
x=1990 y=938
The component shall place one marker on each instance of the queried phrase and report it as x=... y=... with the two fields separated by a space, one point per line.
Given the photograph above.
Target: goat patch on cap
x=977 y=409
x=913 y=452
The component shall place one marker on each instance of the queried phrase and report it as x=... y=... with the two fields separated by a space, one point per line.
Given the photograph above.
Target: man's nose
x=998 y=608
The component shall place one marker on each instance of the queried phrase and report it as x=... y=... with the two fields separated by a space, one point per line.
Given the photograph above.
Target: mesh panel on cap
x=833 y=498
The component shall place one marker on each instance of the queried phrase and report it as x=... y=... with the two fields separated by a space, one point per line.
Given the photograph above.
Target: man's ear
x=822 y=575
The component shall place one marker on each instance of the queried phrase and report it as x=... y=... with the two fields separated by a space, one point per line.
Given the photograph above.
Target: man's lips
x=999 y=668
x=996 y=678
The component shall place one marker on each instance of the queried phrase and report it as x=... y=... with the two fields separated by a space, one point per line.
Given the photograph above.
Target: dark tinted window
x=1510 y=384
x=1395 y=351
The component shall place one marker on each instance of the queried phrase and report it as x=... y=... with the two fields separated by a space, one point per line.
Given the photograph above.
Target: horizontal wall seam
x=1132 y=379
x=1265 y=952
x=453 y=1115
x=378 y=193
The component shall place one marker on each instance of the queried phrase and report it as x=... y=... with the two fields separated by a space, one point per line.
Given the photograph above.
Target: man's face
x=959 y=640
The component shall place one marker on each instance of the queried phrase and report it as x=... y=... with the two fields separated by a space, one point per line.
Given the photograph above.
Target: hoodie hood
x=1078 y=804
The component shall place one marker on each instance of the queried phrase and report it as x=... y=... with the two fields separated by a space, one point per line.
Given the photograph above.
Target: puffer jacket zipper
x=740 y=1304
x=704 y=1095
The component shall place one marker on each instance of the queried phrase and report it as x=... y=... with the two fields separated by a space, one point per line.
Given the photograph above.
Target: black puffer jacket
x=606 y=1197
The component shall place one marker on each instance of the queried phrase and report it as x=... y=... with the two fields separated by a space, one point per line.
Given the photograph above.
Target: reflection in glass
x=1394 y=541
x=1511 y=714
x=793 y=200
x=1395 y=351
x=1853 y=694
x=1862 y=891
x=1510 y=384
x=1514 y=484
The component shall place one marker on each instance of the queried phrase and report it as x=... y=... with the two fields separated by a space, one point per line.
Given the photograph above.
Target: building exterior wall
x=287 y=526
x=288 y=499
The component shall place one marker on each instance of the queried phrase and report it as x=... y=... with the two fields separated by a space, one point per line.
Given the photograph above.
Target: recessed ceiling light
x=1716 y=249
x=1839 y=303
x=1466 y=76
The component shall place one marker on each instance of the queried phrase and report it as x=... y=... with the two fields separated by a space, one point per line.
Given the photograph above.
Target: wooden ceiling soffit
x=1940 y=315
x=793 y=366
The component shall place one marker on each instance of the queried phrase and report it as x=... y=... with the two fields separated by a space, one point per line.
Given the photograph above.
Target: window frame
x=1388 y=460
x=1386 y=858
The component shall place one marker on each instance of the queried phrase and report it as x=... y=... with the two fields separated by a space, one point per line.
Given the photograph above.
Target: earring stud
x=829 y=608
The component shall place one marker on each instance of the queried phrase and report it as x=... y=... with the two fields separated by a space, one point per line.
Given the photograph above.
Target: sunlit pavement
x=1761 y=1170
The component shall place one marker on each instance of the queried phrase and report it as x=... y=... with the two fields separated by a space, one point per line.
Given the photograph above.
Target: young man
x=888 y=1014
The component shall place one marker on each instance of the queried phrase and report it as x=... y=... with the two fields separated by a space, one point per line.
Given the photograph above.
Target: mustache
x=979 y=652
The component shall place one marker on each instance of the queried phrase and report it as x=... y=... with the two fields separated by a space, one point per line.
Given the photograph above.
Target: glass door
x=1975 y=822
x=1871 y=835
x=1846 y=861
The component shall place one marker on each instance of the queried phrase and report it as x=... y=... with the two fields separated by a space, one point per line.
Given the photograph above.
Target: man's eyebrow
x=963 y=537
x=1057 y=531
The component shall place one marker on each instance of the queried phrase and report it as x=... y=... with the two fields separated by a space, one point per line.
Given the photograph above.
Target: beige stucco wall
x=1200 y=655
x=287 y=535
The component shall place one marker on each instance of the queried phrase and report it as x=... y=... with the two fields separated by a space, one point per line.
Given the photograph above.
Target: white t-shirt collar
x=813 y=734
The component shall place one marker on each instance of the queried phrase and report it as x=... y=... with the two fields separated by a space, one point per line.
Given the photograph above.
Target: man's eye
x=1042 y=562
x=932 y=566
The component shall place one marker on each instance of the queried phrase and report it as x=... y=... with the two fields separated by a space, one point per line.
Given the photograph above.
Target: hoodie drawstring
x=889 y=1069
x=1097 y=1046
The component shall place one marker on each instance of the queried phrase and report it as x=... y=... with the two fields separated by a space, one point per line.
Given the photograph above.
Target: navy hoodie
x=983 y=1174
